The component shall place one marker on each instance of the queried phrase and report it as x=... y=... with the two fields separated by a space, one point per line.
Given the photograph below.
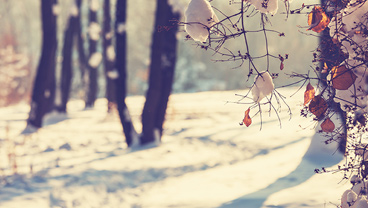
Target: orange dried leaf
x=318 y=20
x=309 y=94
x=247 y=120
x=327 y=125
x=281 y=65
x=342 y=78
x=318 y=106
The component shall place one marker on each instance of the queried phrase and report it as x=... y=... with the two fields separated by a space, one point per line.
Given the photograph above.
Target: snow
x=205 y=159
x=94 y=5
x=74 y=11
x=94 y=31
x=56 y=9
x=199 y=18
x=95 y=59
x=263 y=86
x=114 y=74
x=111 y=53
x=121 y=28
x=346 y=29
x=265 y=6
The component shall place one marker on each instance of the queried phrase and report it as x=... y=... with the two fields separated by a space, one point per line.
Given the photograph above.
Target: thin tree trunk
x=163 y=58
x=44 y=84
x=80 y=45
x=121 y=80
x=108 y=61
x=67 y=64
x=92 y=70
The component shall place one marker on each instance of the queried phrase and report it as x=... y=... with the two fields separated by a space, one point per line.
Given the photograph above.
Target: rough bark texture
x=120 y=63
x=67 y=63
x=44 y=84
x=92 y=71
x=163 y=59
x=108 y=64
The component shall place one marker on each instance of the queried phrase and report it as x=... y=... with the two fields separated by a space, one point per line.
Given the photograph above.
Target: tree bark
x=80 y=46
x=92 y=70
x=107 y=60
x=163 y=59
x=44 y=84
x=121 y=80
x=67 y=63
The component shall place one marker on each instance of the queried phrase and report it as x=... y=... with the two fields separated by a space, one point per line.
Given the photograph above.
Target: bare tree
x=108 y=54
x=121 y=79
x=163 y=59
x=67 y=64
x=44 y=84
x=93 y=36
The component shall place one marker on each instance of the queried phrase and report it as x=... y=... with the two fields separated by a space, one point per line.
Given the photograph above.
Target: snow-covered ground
x=206 y=159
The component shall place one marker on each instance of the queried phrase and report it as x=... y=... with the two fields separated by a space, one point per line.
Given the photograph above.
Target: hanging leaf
x=318 y=106
x=247 y=120
x=342 y=78
x=327 y=125
x=309 y=94
x=318 y=20
x=281 y=65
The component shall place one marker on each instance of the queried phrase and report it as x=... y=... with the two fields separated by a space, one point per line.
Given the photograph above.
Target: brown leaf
x=318 y=106
x=318 y=20
x=342 y=78
x=309 y=94
x=247 y=120
x=327 y=125
x=281 y=65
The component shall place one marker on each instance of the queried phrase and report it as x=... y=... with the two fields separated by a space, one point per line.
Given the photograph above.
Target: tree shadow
x=318 y=155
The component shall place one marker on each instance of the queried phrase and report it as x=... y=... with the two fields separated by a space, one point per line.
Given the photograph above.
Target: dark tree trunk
x=44 y=84
x=163 y=59
x=107 y=60
x=92 y=70
x=80 y=45
x=120 y=63
x=331 y=55
x=67 y=64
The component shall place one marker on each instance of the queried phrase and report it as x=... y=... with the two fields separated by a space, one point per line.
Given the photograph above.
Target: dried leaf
x=318 y=106
x=247 y=120
x=318 y=20
x=281 y=65
x=342 y=78
x=309 y=94
x=327 y=125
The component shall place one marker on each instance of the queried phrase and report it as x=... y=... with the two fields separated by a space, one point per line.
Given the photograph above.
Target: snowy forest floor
x=206 y=159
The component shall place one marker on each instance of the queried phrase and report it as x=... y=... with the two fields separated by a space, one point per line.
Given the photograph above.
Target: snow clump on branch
x=199 y=18
x=263 y=86
x=265 y=6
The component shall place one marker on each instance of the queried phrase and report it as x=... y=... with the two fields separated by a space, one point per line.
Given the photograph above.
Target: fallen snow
x=205 y=160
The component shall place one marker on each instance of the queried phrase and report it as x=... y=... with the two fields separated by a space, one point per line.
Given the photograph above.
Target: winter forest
x=183 y=103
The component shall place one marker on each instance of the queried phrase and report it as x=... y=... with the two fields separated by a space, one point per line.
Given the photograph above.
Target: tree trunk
x=121 y=80
x=108 y=60
x=44 y=84
x=92 y=69
x=80 y=45
x=163 y=59
x=67 y=63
